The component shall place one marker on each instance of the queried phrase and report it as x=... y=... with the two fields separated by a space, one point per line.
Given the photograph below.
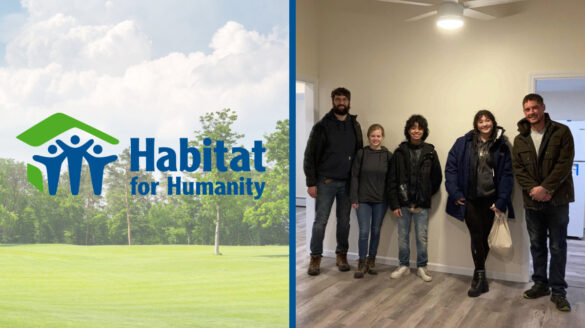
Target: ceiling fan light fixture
x=450 y=22
x=450 y=15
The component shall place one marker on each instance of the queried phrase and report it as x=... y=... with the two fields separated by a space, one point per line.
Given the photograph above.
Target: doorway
x=305 y=118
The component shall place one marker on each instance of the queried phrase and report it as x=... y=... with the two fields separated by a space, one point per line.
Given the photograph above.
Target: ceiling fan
x=451 y=12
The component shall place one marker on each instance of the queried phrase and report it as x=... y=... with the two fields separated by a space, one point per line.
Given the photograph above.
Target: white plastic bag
x=499 y=239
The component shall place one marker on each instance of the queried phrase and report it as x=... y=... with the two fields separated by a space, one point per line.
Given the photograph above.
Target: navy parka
x=457 y=174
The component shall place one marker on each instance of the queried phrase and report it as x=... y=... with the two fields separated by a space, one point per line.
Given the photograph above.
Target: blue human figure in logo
x=53 y=166
x=96 y=167
x=74 y=160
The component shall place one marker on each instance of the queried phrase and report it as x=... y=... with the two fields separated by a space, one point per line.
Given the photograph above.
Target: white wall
x=395 y=69
x=305 y=118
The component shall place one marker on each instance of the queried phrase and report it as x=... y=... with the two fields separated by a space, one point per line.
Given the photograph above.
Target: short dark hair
x=422 y=123
x=533 y=97
x=341 y=91
x=488 y=114
x=375 y=127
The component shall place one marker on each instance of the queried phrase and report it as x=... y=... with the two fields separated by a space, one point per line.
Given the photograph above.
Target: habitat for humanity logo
x=52 y=127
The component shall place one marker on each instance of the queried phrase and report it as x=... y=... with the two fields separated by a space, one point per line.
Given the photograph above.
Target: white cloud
x=62 y=40
x=104 y=75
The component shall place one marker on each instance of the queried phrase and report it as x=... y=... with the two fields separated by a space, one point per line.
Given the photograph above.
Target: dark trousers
x=479 y=219
x=327 y=191
x=552 y=221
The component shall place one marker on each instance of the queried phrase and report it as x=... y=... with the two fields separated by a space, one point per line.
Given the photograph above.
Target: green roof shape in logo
x=48 y=129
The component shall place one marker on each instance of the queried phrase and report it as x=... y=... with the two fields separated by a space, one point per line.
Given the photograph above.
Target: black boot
x=480 y=287
x=474 y=279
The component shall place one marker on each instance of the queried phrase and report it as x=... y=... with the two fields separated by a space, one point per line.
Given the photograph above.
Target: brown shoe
x=361 y=269
x=342 y=264
x=371 y=265
x=314 y=265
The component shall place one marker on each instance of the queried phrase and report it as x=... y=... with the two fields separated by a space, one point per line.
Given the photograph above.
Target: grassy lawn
x=143 y=286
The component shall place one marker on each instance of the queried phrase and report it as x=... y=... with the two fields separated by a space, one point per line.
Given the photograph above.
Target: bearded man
x=333 y=142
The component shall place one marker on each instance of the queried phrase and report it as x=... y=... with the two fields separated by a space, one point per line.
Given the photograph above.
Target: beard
x=341 y=110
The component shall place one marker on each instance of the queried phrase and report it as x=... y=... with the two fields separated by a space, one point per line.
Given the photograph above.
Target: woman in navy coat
x=479 y=181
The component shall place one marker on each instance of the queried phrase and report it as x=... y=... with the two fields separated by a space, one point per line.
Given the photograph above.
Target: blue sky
x=12 y=16
x=200 y=18
x=139 y=68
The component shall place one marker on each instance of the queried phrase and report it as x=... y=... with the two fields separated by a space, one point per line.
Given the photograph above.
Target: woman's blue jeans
x=370 y=217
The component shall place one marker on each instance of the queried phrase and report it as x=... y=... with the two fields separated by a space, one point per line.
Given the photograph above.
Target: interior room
x=396 y=67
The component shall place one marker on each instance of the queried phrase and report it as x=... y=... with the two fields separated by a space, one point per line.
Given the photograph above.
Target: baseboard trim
x=514 y=277
x=301 y=201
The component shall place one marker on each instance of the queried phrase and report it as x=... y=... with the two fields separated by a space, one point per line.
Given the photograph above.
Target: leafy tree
x=217 y=126
x=122 y=206
x=8 y=220
x=14 y=185
x=187 y=214
x=271 y=211
x=13 y=190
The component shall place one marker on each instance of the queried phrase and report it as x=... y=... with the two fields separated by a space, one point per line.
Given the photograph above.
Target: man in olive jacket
x=333 y=142
x=543 y=160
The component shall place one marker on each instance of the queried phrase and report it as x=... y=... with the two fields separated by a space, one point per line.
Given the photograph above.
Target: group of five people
x=479 y=176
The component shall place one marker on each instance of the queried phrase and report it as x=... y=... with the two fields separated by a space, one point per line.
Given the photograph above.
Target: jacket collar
x=404 y=146
x=373 y=150
x=499 y=135
x=524 y=125
x=331 y=115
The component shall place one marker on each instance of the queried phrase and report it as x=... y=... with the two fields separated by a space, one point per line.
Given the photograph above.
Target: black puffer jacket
x=551 y=169
x=428 y=175
x=317 y=143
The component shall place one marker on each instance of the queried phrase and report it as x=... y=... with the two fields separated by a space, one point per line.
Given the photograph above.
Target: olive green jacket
x=552 y=169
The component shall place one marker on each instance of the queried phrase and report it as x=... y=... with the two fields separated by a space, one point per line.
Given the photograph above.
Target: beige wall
x=306 y=40
x=395 y=69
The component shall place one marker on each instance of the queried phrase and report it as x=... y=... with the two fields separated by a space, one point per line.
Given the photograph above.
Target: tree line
x=117 y=217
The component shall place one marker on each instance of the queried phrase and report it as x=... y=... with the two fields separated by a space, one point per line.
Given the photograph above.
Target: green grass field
x=143 y=286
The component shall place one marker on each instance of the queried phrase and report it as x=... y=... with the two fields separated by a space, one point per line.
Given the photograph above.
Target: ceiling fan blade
x=485 y=3
x=415 y=18
x=476 y=14
x=408 y=2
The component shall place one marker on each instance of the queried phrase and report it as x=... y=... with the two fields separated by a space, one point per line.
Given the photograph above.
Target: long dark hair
x=488 y=114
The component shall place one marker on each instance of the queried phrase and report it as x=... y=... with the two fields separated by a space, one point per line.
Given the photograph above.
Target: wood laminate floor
x=336 y=299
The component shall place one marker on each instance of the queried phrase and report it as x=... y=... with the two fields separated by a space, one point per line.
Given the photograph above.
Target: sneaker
x=537 y=290
x=561 y=302
x=424 y=274
x=401 y=271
